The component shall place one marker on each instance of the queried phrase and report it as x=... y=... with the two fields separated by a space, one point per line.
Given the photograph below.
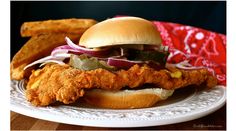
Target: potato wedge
x=76 y=26
x=36 y=48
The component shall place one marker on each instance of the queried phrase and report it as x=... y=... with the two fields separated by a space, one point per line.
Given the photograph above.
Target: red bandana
x=197 y=46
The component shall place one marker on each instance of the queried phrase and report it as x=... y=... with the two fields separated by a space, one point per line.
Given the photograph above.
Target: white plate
x=186 y=104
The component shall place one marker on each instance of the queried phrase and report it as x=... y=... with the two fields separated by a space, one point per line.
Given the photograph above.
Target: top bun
x=121 y=31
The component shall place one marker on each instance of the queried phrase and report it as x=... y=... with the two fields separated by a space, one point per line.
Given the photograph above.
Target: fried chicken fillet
x=67 y=84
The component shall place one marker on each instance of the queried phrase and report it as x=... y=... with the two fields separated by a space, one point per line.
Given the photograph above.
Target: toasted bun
x=119 y=31
x=125 y=99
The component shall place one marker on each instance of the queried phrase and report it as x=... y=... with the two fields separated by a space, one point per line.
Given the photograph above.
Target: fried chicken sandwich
x=118 y=63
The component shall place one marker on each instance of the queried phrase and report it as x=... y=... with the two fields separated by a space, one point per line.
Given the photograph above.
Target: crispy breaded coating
x=66 y=84
x=72 y=26
x=36 y=48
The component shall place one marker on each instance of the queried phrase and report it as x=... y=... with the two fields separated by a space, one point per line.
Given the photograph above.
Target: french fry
x=76 y=26
x=35 y=48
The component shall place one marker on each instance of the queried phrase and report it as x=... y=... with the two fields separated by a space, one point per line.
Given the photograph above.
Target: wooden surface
x=214 y=121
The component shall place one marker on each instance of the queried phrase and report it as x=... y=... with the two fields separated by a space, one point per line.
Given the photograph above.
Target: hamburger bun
x=121 y=31
x=126 y=99
x=131 y=32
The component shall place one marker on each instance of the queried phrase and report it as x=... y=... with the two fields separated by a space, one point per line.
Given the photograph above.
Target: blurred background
x=209 y=15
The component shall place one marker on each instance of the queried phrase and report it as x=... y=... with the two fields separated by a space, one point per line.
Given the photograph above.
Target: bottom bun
x=126 y=99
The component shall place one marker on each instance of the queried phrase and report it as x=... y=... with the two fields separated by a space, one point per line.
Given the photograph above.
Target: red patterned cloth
x=197 y=46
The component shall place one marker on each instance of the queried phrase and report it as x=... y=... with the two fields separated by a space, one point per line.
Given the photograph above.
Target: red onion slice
x=64 y=49
x=91 y=52
x=52 y=61
x=58 y=57
x=186 y=66
x=122 y=63
x=159 y=48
